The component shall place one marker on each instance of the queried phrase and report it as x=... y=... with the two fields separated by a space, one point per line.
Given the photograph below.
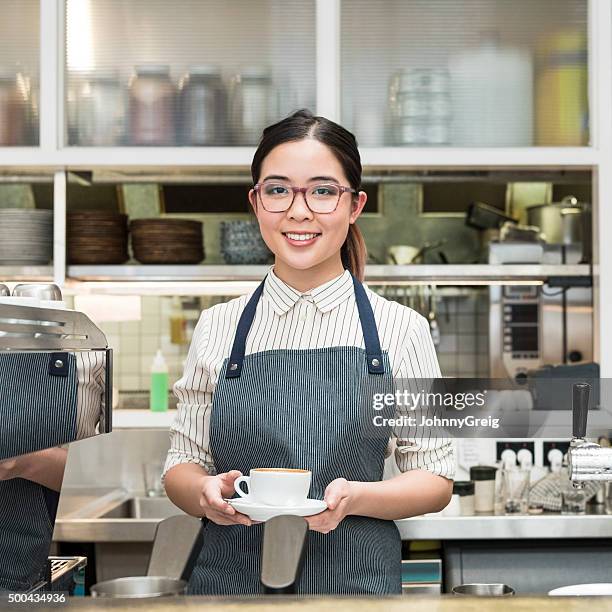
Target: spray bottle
x=158 y=397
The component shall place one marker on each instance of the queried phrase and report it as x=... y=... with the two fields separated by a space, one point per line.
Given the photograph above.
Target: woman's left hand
x=338 y=496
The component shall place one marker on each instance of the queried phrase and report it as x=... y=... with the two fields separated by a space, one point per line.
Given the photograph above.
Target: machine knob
x=580 y=408
x=521 y=378
x=574 y=356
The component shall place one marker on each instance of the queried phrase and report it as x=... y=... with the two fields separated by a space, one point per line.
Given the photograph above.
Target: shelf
x=126 y=418
x=87 y=158
x=26 y=273
x=488 y=527
x=472 y=273
x=235 y=280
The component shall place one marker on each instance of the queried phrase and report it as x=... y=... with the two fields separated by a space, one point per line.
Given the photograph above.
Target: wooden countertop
x=413 y=603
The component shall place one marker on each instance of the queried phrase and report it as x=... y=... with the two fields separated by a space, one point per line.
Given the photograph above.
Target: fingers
x=229 y=477
x=335 y=493
x=217 y=503
x=226 y=480
x=329 y=519
x=222 y=518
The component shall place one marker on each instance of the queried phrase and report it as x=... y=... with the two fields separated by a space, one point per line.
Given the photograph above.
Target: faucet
x=586 y=460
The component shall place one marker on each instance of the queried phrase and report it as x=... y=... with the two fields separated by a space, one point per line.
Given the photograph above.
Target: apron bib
x=305 y=409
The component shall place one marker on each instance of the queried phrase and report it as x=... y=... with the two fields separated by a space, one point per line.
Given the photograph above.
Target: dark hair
x=303 y=124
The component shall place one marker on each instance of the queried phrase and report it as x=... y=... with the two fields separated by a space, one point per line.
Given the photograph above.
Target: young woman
x=288 y=396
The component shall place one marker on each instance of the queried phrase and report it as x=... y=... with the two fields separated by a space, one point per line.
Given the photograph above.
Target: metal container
x=137 y=587
x=99 y=110
x=560 y=222
x=4 y=290
x=252 y=104
x=483 y=590
x=152 y=106
x=40 y=291
x=203 y=106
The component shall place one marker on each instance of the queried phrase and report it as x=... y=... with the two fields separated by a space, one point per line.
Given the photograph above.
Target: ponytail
x=354 y=253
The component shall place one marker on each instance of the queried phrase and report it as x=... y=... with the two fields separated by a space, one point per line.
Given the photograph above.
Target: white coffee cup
x=275 y=486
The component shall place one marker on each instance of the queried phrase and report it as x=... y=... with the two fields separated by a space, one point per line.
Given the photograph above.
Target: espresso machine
x=55 y=388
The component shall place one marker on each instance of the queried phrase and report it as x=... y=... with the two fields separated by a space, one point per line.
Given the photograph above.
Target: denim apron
x=31 y=384
x=303 y=409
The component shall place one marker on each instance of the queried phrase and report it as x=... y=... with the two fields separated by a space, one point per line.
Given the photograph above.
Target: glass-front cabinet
x=187 y=73
x=19 y=72
x=443 y=74
x=465 y=73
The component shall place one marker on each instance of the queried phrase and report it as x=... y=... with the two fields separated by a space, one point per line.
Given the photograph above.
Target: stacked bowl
x=96 y=237
x=241 y=243
x=26 y=237
x=167 y=241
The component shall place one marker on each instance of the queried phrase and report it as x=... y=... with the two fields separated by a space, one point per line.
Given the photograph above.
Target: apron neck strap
x=366 y=317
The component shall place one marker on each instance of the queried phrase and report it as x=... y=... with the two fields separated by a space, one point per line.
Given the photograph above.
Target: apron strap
x=366 y=317
x=234 y=366
x=370 y=332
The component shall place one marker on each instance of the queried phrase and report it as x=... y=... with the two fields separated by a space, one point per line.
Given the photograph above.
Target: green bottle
x=158 y=396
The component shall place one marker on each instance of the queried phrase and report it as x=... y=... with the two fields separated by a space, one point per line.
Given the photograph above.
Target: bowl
x=138 y=587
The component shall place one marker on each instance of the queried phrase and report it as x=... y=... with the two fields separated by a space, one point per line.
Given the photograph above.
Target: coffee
x=279 y=470
x=275 y=486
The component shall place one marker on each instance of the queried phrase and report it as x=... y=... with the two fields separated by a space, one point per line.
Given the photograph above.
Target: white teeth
x=300 y=236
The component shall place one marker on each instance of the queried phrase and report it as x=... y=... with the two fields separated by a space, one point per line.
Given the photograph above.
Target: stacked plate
x=241 y=243
x=167 y=241
x=26 y=237
x=96 y=237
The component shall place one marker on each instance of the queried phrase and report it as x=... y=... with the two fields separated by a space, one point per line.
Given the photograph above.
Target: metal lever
x=586 y=460
x=580 y=409
x=282 y=553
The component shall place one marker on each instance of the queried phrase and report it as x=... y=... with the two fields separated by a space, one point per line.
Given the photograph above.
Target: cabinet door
x=185 y=73
x=465 y=73
x=19 y=72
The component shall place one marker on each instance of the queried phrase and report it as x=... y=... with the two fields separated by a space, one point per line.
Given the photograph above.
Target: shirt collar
x=326 y=297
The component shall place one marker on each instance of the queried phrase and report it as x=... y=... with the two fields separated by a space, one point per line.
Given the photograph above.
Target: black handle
x=580 y=408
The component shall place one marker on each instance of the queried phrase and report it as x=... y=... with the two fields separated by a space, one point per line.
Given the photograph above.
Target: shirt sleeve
x=415 y=450
x=189 y=432
x=90 y=371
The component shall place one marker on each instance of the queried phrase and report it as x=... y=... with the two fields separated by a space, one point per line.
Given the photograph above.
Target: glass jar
x=573 y=501
x=203 y=107
x=152 y=106
x=253 y=104
x=515 y=490
x=13 y=111
x=98 y=110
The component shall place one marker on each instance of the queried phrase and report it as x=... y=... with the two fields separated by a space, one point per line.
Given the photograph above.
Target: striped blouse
x=288 y=319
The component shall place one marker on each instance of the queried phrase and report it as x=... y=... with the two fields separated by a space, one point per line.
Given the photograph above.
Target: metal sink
x=143 y=508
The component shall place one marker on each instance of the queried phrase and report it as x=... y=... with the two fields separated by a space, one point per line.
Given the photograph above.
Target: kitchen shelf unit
x=328 y=32
x=26 y=273
x=375 y=274
x=52 y=155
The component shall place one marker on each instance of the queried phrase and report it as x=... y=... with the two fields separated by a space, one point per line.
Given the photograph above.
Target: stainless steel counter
x=414 y=603
x=123 y=516
x=543 y=526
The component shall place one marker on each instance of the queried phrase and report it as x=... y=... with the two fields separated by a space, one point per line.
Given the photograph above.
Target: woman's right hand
x=212 y=493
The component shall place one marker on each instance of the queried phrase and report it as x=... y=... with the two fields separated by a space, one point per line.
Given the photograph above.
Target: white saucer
x=262 y=512
x=576 y=590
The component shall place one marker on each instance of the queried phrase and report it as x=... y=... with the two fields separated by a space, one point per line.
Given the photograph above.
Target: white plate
x=596 y=588
x=262 y=512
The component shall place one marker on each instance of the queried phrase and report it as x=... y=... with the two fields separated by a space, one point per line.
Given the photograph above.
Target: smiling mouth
x=301 y=236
